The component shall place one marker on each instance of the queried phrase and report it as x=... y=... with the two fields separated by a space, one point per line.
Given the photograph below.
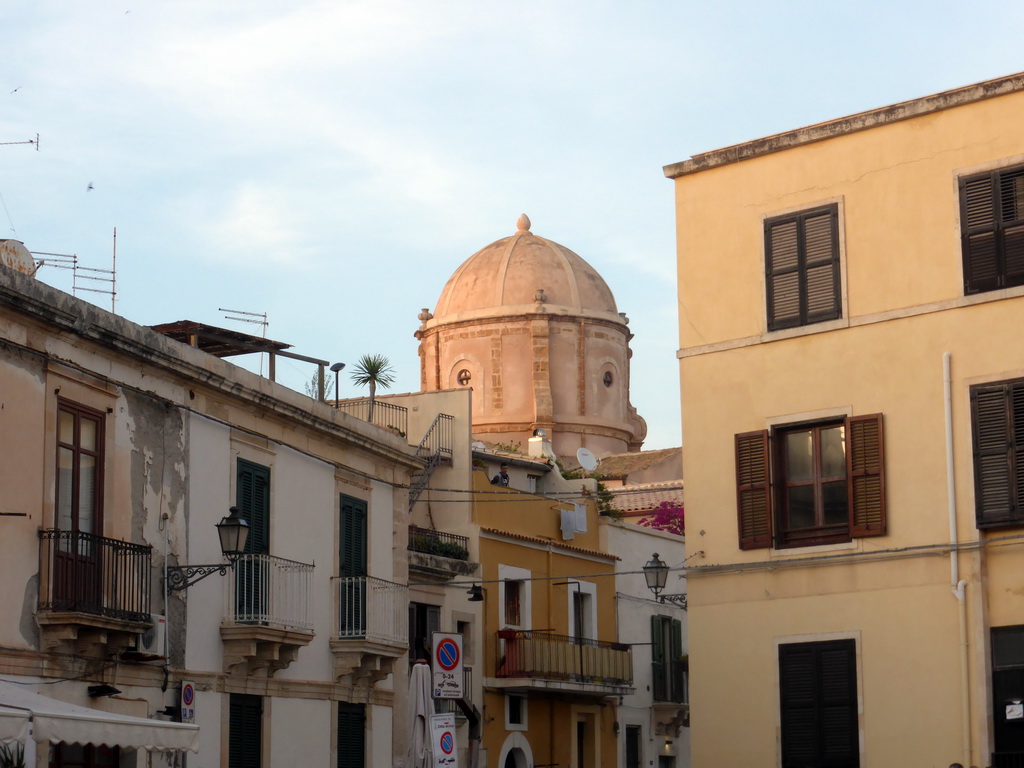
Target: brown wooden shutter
x=1011 y=220
x=995 y=496
x=753 y=490
x=978 y=224
x=992 y=229
x=865 y=471
x=802 y=268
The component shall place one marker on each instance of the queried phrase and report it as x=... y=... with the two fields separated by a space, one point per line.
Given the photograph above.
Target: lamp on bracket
x=233 y=532
x=656 y=574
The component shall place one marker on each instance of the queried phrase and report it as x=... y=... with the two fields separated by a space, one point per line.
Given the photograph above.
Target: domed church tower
x=534 y=330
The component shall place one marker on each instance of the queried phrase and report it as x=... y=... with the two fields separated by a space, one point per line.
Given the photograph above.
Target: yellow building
x=851 y=301
x=552 y=671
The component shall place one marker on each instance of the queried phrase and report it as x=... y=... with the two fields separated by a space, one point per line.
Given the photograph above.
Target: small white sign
x=1015 y=710
x=447 y=665
x=188 y=702
x=442 y=738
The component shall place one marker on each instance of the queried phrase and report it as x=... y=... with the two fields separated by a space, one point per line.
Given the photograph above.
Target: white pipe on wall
x=958 y=585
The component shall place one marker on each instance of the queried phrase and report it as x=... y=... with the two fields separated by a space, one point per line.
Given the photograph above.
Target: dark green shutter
x=659 y=662
x=351 y=735
x=753 y=490
x=818 y=704
x=245 y=731
x=352 y=537
x=254 y=505
x=865 y=474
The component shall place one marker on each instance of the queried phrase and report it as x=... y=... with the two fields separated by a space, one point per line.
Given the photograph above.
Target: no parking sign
x=188 y=702
x=447 y=666
x=442 y=736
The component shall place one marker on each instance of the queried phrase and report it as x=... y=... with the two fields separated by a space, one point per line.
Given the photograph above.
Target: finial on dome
x=523 y=223
x=425 y=315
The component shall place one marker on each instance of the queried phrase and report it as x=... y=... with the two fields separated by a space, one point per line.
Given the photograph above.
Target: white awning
x=55 y=721
x=13 y=725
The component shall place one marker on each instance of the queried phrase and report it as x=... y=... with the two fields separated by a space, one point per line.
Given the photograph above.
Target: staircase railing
x=435 y=448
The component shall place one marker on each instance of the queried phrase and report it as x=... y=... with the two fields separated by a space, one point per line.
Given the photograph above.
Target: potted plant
x=12 y=756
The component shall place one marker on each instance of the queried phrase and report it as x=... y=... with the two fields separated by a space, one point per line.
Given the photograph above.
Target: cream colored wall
x=896 y=186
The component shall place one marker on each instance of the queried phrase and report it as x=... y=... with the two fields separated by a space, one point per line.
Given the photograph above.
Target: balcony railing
x=439 y=543
x=270 y=591
x=86 y=573
x=384 y=414
x=670 y=681
x=526 y=653
x=373 y=609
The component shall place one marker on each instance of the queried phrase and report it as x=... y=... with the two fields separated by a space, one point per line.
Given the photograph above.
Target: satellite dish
x=587 y=459
x=478 y=446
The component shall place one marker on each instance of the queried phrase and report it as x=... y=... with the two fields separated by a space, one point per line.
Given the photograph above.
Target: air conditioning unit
x=150 y=644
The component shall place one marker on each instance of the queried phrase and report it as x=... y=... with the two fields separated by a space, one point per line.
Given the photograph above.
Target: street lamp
x=233 y=532
x=656 y=574
x=337 y=369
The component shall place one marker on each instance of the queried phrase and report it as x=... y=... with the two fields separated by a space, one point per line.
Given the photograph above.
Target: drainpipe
x=958 y=585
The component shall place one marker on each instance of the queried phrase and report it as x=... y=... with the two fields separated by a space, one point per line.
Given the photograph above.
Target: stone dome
x=520 y=272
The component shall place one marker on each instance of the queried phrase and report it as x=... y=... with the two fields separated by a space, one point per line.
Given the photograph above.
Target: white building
x=122 y=449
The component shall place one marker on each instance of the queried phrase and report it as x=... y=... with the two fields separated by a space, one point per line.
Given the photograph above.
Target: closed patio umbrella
x=421 y=707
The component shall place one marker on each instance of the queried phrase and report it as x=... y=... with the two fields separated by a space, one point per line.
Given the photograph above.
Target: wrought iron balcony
x=383 y=414
x=373 y=609
x=577 y=662
x=431 y=542
x=270 y=591
x=84 y=573
x=268 y=614
x=373 y=628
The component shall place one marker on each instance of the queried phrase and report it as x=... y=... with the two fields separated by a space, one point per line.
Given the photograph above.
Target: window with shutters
x=811 y=484
x=245 y=731
x=997 y=414
x=992 y=229
x=818 y=704
x=351 y=735
x=352 y=543
x=802 y=273
x=669 y=668
x=251 y=584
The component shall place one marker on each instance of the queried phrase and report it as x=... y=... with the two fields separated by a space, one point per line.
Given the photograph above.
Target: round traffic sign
x=188 y=694
x=447 y=742
x=448 y=654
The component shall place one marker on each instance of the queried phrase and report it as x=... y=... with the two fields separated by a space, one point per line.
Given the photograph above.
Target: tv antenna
x=91 y=279
x=256 y=318
x=30 y=141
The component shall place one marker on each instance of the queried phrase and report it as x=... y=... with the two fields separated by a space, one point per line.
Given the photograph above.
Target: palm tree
x=373 y=370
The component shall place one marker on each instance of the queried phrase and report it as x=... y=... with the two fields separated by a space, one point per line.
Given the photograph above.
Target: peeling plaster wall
x=22 y=449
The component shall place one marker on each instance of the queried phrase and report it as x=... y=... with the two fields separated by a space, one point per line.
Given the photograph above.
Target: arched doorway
x=515 y=752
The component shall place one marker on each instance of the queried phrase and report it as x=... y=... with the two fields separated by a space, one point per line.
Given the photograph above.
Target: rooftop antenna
x=258 y=318
x=30 y=141
x=83 y=278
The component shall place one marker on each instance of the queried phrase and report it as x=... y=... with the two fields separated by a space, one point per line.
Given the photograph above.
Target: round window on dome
x=464 y=377
x=608 y=378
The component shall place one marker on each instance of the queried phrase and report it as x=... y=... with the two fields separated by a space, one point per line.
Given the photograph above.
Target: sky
x=331 y=164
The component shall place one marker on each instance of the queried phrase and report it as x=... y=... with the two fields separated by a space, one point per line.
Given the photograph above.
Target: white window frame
x=512 y=573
